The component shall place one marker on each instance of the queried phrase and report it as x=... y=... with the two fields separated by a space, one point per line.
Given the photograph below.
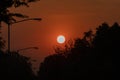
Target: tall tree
x=8 y=17
x=97 y=62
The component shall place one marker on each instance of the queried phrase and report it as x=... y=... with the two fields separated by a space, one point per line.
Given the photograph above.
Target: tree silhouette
x=95 y=56
x=8 y=17
x=2 y=43
x=106 y=45
x=15 y=67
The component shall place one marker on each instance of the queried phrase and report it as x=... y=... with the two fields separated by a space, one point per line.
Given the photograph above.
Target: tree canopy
x=7 y=16
x=95 y=56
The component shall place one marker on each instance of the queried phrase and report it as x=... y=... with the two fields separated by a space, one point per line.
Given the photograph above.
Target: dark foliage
x=15 y=67
x=9 y=17
x=2 y=43
x=95 y=57
x=15 y=3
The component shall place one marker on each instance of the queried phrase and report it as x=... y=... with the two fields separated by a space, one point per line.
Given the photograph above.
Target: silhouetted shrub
x=15 y=67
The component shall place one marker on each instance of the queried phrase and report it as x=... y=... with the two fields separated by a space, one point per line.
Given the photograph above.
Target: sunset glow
x=63 y=21
x=61 y=39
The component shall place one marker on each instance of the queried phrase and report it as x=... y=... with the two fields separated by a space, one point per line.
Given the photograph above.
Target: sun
x=61 y=39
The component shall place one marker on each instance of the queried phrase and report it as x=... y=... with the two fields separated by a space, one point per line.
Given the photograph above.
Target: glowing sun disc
x=61 y=39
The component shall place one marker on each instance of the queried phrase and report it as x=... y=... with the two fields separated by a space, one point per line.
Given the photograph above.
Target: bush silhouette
x=95 y=56
x=15 y=67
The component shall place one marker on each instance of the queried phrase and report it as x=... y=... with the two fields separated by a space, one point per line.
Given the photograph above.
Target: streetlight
x=37 y=19
x=26 y=49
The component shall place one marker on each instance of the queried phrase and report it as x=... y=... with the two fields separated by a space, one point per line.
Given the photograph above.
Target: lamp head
x=36 y=48
x=38 y=19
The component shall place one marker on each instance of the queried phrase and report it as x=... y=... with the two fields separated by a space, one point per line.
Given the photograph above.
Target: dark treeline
x=94 y=57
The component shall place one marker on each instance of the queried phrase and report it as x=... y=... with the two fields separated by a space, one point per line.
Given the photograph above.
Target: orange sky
x=67 y=17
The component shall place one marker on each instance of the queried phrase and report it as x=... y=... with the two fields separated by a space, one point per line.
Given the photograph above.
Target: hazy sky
x=68 y=17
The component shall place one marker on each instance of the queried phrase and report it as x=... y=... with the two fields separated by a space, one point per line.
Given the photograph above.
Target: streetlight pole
x=8 y=38
x=9 y=25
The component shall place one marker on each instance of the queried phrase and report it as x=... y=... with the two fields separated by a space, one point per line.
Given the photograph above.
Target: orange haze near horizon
x=70 y=18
